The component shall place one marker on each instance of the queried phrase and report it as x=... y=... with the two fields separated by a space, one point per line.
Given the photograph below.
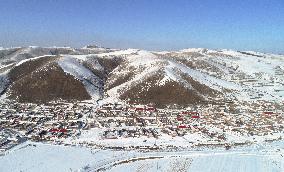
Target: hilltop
x=185 y=77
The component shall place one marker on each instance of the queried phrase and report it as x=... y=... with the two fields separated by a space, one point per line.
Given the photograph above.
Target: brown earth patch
x=42 y=80
x=219 y=54
x=201 y=88
x=118 y=81
x=114 y=79
x=193 y=54
x=100 y=74
x=26 y=68
x=168 y=94
x=109 y=64
x=188 y=63
x=250 y=54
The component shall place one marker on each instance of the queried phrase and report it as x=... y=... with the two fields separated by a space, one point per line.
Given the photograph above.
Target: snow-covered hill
x=188 y=76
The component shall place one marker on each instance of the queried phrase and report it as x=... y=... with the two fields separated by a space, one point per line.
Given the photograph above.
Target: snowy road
x=248 y=160
x=221 y=162
x=45 y=157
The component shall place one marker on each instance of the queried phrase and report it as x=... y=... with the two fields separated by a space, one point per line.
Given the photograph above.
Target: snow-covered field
x=37 y=157
x=94 y=137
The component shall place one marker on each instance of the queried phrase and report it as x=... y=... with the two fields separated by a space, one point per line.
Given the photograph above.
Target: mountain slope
x=189 y=76
x=42 y=80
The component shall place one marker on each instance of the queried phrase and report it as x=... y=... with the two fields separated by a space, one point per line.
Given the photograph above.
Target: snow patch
x=92 y=83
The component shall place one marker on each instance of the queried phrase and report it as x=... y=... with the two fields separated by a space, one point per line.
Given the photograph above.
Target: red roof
x=151 y=109
x=139 y=109
x=189 y=113
x=58 y=130
x=179 y=119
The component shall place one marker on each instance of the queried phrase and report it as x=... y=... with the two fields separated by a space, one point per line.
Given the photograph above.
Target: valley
x=141 y=102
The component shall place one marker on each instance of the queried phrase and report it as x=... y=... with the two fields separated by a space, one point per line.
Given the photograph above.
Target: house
x=139 y=109
x=193 y=114
x=182 y=126
x=268 y=113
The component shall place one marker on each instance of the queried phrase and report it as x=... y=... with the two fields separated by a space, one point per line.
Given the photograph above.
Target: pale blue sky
x=148 y=24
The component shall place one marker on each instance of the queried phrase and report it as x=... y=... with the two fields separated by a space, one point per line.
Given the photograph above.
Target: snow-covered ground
x=37 y=157
x=43 y=157
x=94 y=137
x=92 y=83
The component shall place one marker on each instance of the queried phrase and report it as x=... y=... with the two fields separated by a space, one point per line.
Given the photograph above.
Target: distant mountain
x=189 y=76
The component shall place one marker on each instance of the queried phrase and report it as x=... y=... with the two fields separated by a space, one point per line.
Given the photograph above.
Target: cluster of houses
x=43 y=122
x=59 y=120
x=136 y=120
x=213 y=121
x=9 y=139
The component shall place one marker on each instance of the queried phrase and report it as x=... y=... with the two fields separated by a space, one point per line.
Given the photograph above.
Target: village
x=59 y=120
